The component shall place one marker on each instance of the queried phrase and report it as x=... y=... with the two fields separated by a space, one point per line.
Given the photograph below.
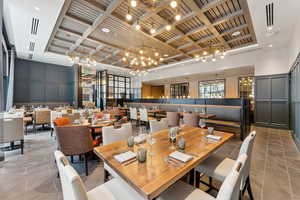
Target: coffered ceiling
x=79 y=28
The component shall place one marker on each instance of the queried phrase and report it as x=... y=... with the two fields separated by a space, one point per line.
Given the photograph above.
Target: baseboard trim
x=297 y=141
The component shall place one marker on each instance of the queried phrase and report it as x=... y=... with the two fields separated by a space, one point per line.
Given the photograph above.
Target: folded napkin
x=140 y=139
x=123 y=157
x=181 y=156
x=213 y=137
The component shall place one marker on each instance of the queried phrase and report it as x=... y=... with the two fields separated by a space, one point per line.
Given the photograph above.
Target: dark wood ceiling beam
x=247 y=15
x=77 y=20
x=228 y=17
x=211 y=5
x=232 y=30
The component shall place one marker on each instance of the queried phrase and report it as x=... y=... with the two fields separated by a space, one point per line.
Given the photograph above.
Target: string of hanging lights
x=153 y=4
x=211 y=54
x=82 y=60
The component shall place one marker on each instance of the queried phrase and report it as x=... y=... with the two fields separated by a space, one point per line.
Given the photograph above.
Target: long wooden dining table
x=155 y=175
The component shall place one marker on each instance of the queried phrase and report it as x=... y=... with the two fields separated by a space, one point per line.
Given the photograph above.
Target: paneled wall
x=42 y=82
x=272 y=100
x=295 y=100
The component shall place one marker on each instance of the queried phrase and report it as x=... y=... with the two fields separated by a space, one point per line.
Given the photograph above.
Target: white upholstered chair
x=111 y=135
x=133 y=114
x=74 y=189
x=217 y=167
x=230 y=188
x=158 y=125
x=144 y=115
x=13 y=130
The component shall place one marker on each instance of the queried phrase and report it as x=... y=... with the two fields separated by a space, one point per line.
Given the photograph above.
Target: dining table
x=98 y=124
x=154 y=176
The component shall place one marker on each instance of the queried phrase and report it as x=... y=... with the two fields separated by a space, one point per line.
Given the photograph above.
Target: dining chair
x=218 y=167
x=191 y=119
x=173 y=119
x=229 y=190
x=75 y=140
x=42 y=117
x=61 y=162
x=158 y=125
x=133 y=114
x=111 y=135
x=114 y=189
x=13 y=130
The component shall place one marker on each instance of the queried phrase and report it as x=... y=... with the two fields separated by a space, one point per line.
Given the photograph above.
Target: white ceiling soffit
x=29 y=25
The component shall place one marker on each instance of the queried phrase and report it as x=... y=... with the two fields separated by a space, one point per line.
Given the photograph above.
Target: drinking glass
x=151 y=141
x=173 y=139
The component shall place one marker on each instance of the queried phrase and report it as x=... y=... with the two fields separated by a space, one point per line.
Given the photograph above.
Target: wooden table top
x=154 y=176
x=98 y=125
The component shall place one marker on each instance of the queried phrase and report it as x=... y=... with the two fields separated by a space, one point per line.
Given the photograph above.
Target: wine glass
x=151 y=141
x=173 y=139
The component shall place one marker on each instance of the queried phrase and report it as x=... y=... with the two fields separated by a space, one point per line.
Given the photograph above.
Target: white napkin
x=140 y=139
x=181 y=156
x=213 y=137
x=123 y=157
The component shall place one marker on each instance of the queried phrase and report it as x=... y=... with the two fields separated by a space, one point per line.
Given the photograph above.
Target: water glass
x=130 y=141
x=142 y=155
x=210 y=130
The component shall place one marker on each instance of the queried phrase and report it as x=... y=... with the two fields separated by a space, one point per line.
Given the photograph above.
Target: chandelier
x=82 y=60
x=140 y=62
x=211 y=54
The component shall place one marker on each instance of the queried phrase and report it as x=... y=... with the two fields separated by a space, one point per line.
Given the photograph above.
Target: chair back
x=144 y=114
x=61 y=162
x=230 y=188
x=61 y=121
x=106 y=116
x=13 y=129
x=246 y=148
x=173 y=119
x=74 y=140
x=133 y=113
x=74 y=186
x=191 y=119
x=42 y=116
x=111 y=134
x=158 y=125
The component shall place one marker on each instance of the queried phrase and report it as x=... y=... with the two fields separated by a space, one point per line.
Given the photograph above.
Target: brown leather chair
x=173 y=119
x=42 y=117
x=191 y=119
x=75 y=140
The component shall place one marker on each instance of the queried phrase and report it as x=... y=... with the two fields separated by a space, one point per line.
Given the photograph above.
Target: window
x=179 y=90
x=246 y=87
x=212 y=89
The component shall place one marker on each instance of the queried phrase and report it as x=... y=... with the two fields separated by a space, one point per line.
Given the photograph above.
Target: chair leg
x=106 y=175
x=197 y=179
x=51 y=132
x=86 y=165
x=22 y=147
x=72 y=159
x=249 y=189
x=210 y=182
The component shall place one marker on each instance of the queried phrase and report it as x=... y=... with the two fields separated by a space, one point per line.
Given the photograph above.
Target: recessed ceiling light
x=36 y=8
x=105 y=30
x=173 y=4
x=168 y=27
x=236 y=33
x=133 y=3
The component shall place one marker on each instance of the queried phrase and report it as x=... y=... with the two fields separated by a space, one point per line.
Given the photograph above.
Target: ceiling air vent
x=270 y=14
x=34 y=26
x=30 y=56
x=31 y=46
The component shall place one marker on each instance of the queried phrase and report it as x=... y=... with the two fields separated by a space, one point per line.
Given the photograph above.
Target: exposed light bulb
x=156 y=54
x=133 y=3
x=204 y=60
x=205 y=53
x=127 y=54
x=173 y=4
x=152 y=30
x=222 y=57
x=217 y=51
x=128 y=17
x=141 y=51
x=177 y=17
x=137 y=27
x=168 y=27
x=124 y=59
x=161 y=59
x=214 y=59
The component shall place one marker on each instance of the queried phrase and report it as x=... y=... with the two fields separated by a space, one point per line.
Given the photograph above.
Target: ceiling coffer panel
x=99 y=28
x=223 y=10
x=73 y=26
x=83 y=11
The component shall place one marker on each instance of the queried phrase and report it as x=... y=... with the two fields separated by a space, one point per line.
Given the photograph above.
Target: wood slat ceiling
x=203 y=23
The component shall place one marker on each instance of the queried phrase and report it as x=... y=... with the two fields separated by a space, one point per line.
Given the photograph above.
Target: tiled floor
x=275 y=172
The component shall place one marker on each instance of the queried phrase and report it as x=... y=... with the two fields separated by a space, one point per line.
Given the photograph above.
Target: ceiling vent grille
x=270 y=14
x=34 y=26
x=31 y=46
x=30 y=56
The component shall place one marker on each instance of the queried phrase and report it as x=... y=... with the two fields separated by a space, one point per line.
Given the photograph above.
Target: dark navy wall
x=41 y=82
